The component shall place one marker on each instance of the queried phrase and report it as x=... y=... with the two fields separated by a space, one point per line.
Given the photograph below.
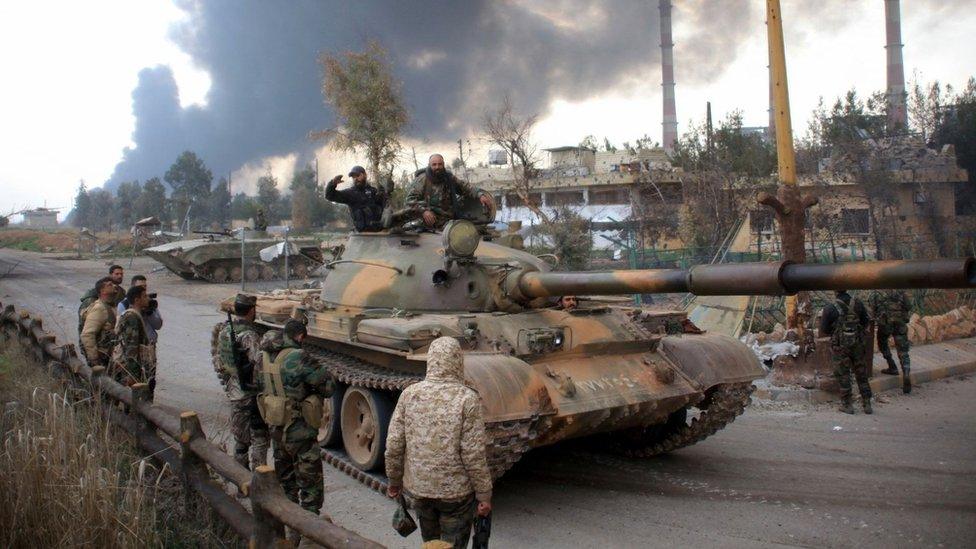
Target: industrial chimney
x=897 y=113
x=670 y=118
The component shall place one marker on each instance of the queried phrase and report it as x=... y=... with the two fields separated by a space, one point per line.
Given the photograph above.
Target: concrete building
x=41 y=218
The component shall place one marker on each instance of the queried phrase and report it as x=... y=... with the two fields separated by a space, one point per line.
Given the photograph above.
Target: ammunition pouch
x=273 y=404
x=312 y=411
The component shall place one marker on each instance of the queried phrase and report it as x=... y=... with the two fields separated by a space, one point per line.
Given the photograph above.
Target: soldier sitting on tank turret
x=260 y=222
x=365 y=201
x=435 y=195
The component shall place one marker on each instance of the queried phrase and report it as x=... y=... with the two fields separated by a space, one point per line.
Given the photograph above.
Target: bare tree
x=368 y=104
x=513 y=133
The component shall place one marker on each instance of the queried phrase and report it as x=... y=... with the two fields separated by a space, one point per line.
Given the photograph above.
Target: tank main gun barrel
x=777 y=278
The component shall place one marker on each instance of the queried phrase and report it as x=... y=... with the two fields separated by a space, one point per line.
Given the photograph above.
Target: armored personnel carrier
x=649 y=382
x=216 y=257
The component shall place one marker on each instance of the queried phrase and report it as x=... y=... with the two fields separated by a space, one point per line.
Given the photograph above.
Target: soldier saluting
x=891 y=309
x=845 y=321
x=365 y=201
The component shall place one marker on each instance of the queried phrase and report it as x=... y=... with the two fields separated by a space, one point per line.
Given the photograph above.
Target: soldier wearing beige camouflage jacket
x=436 y=448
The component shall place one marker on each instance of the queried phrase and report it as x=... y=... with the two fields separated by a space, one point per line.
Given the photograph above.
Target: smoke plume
x=455 y=60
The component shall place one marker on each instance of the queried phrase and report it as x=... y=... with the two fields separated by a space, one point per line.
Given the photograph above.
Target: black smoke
x=455 y=58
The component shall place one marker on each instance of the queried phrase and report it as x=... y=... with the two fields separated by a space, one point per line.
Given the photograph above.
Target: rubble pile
x=957 y=323
x=779 y=342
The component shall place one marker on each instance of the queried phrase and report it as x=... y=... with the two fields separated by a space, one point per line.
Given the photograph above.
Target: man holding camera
x=153 y=320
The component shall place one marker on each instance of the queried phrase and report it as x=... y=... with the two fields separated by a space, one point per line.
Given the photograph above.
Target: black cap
x=356 y=170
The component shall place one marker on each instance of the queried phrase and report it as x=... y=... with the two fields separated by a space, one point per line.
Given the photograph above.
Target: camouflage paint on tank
x=570 y=373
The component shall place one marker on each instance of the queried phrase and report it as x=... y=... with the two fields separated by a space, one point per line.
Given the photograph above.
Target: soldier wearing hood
x=435 y=194
x=435 y=448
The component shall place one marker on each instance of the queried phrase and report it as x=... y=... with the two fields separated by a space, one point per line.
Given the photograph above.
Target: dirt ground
x=784 y=474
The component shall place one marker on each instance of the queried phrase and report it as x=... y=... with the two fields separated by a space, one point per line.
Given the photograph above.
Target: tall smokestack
x=897 y=114
x=670 y=134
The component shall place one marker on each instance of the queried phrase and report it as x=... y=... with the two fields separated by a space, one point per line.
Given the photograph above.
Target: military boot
x=892 y=368
x=846 y=406
x=866 y=404
x=906 y=381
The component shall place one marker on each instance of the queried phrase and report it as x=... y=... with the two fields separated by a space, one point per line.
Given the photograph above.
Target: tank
x=645 y=382
x=216 y=257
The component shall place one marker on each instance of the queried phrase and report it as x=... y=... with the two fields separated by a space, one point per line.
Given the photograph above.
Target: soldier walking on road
x=435 y=449
x=891 y=309
x=250 y=432
x=132 y=358
x=98 y=325
x=845 y=321
x=365 y=201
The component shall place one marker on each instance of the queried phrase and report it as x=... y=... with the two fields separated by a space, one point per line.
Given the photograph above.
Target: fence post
x=268 y=531
x=190 y=430
x=140 y=401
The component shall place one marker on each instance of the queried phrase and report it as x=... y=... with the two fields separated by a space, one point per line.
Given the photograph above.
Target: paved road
x=781 y=475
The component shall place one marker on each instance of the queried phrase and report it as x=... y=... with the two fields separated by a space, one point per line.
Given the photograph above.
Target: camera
x=153 y=304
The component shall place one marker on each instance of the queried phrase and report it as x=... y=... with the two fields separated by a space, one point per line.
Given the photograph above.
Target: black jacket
x=365 y=203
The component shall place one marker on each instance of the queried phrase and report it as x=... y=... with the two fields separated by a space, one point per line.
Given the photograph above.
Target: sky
x=111 y=91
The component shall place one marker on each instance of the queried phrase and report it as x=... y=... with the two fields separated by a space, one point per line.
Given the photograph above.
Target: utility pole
x=464 y=164
x=788 y=206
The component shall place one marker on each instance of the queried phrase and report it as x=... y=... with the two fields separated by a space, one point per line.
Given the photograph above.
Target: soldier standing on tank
x=98 y=325
x=260 y=223
x=250 y=432
x=435 y=449
x=434 y=194
x=299 y=384
x=365 y=201
x=891 y=310
x=846 y=321
x=132 y=359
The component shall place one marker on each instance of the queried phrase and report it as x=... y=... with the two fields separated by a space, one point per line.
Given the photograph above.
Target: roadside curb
x=930 y=363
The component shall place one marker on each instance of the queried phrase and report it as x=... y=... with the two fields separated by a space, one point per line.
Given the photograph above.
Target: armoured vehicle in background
x=216 y=257
x=649 y=382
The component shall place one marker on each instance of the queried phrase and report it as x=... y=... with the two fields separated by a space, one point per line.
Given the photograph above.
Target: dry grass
x=68 y=478
x=58 y=240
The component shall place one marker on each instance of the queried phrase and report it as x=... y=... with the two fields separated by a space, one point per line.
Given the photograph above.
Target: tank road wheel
x=252 y=272
x=330 y=434
x=300 y=269
x=219 y=274
x=235 y=274
x=365 y=419
x=267 y=273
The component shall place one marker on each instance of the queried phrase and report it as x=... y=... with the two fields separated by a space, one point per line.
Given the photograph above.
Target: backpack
x=90 y=297
x=847 y=332
x=273 y=403
x=226 y=351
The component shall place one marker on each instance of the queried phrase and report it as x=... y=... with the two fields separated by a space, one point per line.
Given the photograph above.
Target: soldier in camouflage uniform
x=116 y=273
x=98 y=325
x=891 y=309
x=132 y=359
x=250 y=432
x=846 y=321
x=435 y=192
x=435 y=448
x=298 y=385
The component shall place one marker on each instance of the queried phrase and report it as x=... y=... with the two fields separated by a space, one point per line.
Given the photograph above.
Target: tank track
x=507 y=440
x=726 y=403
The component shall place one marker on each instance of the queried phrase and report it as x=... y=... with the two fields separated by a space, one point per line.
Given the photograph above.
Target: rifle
x=243 y=366
x=482 y=531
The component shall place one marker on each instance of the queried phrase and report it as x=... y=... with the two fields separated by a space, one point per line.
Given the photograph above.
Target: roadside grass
x=29 y=243
x=69 y=478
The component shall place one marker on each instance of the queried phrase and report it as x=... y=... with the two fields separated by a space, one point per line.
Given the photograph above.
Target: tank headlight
x=461 y=238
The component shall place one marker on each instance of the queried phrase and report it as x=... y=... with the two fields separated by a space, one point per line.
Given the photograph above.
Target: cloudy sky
x=110 y=91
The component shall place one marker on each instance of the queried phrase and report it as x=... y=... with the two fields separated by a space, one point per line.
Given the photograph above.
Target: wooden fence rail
x=194 y=457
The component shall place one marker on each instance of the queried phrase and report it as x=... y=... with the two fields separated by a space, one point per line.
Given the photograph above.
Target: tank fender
x=510 y=389
x=711 y=359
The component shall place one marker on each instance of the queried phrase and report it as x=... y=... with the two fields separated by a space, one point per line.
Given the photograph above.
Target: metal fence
x=191 y=456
